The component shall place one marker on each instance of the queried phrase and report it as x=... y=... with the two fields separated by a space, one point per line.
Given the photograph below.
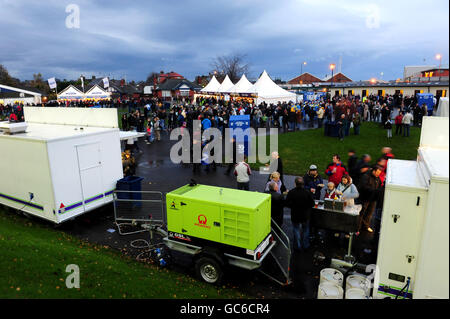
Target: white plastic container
x=328 y=290
x=358 y=281
x=355 y=293
x=331 y=275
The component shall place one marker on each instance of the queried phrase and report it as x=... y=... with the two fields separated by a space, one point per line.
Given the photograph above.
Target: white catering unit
x=414 y=236
x=65 y=163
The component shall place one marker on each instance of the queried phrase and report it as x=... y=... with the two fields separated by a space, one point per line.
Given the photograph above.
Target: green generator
x=225 y=216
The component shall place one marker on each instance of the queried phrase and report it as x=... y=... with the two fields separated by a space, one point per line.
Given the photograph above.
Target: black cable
x=407 y=284
x=26 y=204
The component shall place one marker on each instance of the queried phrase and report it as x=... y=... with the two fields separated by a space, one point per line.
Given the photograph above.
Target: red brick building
x=305 y=78
x=338 y=78
x=162 y=77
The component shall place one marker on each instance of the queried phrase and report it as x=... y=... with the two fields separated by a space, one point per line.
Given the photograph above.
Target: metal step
x=278 y=267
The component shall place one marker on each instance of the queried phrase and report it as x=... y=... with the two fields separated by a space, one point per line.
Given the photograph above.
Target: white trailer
x=60 y=170
x=413 y=251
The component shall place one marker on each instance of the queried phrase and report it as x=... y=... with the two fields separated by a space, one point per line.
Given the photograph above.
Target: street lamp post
x=332 y=66
x=301 y=69
x=439 y=57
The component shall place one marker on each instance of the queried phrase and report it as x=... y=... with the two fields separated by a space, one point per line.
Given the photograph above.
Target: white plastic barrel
x=355 y=293
x=331 y=275
x=358 y=281
x=328 y=290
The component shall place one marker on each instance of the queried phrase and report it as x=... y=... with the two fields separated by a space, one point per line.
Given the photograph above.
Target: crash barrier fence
x=134 y=208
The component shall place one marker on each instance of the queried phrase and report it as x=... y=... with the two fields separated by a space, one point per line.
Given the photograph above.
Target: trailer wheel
x=209 y=270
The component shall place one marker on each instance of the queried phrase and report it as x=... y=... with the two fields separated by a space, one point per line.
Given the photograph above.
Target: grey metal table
x=343 y=222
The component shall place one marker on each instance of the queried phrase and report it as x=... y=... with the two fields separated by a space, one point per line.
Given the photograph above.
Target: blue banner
x=242 y=140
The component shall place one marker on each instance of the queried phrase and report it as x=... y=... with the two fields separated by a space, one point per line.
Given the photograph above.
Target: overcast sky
x=134 y=38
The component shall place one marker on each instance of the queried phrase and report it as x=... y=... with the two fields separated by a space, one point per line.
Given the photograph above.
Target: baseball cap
x=312 y=167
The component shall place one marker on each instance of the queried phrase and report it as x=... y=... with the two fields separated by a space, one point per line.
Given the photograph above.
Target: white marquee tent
x=269 y=92
x=212 y=86
x=70 y=93
x=97 y=92
x=73 y=93
x=442 y=109
x=242 y=86
x=226 y=85
x=33 y=97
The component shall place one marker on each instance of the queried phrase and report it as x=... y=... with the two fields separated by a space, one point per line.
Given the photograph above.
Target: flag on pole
x=52 y=83
x=82 y=82
x=105 y=83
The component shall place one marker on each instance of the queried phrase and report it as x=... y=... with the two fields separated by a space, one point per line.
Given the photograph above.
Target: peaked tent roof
x=266 y=88
x=95 y=86
x=242 y=86
x=226 y=85
x=73 y=88
x=116 y=84
x=97 y=92
x=212 y=86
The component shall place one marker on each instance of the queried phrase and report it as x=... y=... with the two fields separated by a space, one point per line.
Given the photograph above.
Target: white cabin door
x=90 y=165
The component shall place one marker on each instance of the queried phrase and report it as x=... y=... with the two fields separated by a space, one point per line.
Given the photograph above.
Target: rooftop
x=51 y=132
x=222 y=195
x=174 y=84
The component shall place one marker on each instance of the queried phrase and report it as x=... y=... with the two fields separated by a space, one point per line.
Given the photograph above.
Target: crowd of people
x=12 y=113
x=346 y=111
x=359 y=182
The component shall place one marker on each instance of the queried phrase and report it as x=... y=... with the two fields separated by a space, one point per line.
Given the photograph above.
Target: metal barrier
x=281 y=254
x=138 y=207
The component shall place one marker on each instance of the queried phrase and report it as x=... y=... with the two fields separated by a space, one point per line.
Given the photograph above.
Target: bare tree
x=5 y=78
x=39 y=83
x=152 y=78
x=232 y=65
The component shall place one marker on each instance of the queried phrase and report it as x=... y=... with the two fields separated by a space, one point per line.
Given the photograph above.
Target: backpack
x=357 y=120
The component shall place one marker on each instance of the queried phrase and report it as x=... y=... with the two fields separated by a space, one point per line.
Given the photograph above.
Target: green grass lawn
x=298 y=150
x=34 y=259
x=121 y=111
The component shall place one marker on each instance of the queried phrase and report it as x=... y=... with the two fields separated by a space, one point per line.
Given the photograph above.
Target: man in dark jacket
x=300 y=201
x=369 y=193
x=277 y=204
x=342 y=124
x=351 y=164
x=361 y=168
x=385 y=113
x=313 y=182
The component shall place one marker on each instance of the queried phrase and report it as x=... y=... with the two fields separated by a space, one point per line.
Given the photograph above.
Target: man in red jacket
x=13 y=117
x=386 y=153
x=336 y=170
x=398 y=123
